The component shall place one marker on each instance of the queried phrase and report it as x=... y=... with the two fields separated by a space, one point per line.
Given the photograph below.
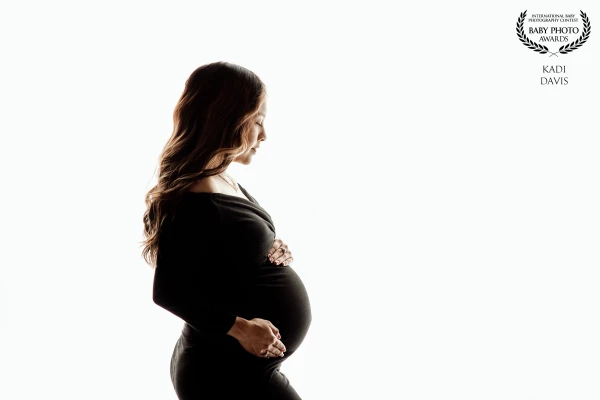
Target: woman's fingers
x=279 y=253
x=271 y=354
x=275 y=246
x=276 y=349
x=278 y=335
x=275 y=352
x=286 y=261
x=274 y=330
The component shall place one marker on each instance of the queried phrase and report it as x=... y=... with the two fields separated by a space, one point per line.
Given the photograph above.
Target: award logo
x=549 y=31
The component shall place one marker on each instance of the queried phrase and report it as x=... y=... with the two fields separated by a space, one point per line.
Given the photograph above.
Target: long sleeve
x=190 y=282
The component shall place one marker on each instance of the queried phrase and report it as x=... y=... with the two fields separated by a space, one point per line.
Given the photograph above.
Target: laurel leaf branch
x=525 y=40
x=585 y=34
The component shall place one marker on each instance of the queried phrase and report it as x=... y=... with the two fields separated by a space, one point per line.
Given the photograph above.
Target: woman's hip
x=211 y=361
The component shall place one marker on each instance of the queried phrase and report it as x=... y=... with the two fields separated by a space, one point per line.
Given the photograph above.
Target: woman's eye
x=258 y=124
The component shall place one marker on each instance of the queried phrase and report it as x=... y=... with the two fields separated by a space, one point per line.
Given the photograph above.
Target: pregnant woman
x=218 y=264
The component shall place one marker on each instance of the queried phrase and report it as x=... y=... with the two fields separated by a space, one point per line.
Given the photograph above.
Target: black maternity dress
x=213 y=266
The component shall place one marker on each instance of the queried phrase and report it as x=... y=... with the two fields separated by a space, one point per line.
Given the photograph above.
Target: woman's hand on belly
x=279 y=253
x=261 y=338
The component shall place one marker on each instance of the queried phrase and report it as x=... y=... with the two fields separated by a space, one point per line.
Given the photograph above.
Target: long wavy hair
x=212 y=122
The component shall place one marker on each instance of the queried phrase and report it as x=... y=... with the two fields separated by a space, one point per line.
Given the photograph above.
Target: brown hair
x=212 y=121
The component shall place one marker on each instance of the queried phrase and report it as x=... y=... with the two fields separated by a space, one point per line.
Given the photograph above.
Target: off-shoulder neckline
x=225 y=194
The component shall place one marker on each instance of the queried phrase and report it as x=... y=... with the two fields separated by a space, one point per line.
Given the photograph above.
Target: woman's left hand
x=279 y=253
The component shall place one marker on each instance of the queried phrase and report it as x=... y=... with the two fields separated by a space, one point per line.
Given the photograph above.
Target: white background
x=440 y=203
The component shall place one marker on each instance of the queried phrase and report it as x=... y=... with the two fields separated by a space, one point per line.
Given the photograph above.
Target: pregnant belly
x=277 y=294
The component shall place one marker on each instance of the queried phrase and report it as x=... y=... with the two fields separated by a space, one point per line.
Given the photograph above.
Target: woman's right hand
x=261 y=338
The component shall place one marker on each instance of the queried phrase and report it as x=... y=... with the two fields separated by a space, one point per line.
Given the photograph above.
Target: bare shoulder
x=207 y=184
x=213 y=185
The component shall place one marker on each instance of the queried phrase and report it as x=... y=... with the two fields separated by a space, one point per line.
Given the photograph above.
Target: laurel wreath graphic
x=585 y=34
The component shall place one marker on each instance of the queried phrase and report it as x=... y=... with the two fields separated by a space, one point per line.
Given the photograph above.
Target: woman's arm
x=193 y=279
x=189 y=296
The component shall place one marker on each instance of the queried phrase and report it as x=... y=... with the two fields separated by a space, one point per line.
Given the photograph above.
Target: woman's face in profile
x=257 y=135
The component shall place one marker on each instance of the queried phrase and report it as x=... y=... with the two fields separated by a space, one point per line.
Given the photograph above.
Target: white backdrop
x=441 y=204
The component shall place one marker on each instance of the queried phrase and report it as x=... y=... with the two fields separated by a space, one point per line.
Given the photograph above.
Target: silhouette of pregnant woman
x=218 y=264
